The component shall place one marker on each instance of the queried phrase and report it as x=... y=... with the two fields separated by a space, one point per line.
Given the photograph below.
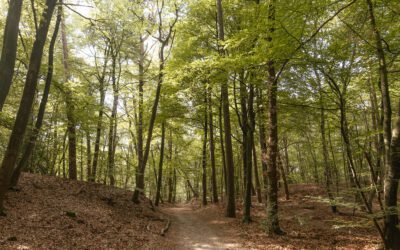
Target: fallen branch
x=165 y=229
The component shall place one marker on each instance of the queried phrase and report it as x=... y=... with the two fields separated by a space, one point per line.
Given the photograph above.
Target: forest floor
x=308 y=224
x=50 y=213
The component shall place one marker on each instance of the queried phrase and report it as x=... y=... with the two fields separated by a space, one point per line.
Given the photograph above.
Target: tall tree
x=272 y=197
x=101 y=77
x=391 y=230
x=23 y=162
x=164 y=38
x=21 y=121
x=115 y=51
x=230 y=201
x=69 y=103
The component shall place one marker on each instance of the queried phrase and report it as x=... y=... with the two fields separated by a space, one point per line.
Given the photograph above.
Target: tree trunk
x=71 y=123
x=231 y=206
x=88 y=155
x=21 y=121
x=325 y=154
x=140 y=107
x=170 y=177
x=175 y=180
x=160 y=165
x=272 y=199
x=391 y=230
x=113 y=121
x=263 y=142
x=42 y=108
x=204 y=154
x=224 y=188
x=246 y=148
x=283 y=175
x=287 y=163
x=9 y=51
x=212 y=148
x=99 y=128
x=256 y=175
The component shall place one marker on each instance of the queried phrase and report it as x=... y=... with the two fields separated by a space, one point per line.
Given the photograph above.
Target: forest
x=199 y=124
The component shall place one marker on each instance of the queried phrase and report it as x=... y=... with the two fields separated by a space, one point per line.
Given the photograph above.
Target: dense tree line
x=208 y=99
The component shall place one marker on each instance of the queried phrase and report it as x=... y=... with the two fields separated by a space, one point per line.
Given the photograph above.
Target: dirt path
x=198 y=229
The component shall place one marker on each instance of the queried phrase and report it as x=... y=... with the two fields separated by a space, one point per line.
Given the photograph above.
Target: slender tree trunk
x=71 y=123
x=55 y=146
x=256 y=175
x=113 y=122
x=378 y=142
x=88 y=155
x=81 y=160
x=99 y=128
x=9 y=51
x=21 y=121
x=231 y=206
x=64 y=148
x=287 y=163
x=212 y=148
x=246 y=149
x=140 y=106
x=160 y=166
x=204 y=154
x=325 y=154
x=221 y=138
x=175 y=180
x=263 y=143
x=42 y=108
x=170 y=177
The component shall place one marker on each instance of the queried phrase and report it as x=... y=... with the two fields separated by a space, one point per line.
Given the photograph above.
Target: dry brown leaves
x=51 y=213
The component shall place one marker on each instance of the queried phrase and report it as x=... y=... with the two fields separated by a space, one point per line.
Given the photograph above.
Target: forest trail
x=199 y=229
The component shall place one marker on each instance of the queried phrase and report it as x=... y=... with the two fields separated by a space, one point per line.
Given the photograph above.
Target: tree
x=272 y=197
x=391 y=230
x=164 y=38
x=230 y=208
x=25 y=107
x=23 y=162
x=69 y=104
